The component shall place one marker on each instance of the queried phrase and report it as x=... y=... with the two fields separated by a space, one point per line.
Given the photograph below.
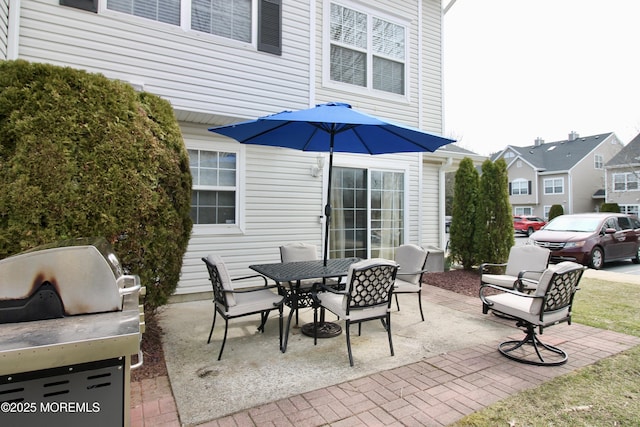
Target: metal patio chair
x=367 y=297
x=232 y=303
x=411 y=260
x=548 y=305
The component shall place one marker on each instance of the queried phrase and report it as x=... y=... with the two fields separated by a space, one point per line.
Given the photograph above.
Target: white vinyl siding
x=4 y=28
x=202 y=75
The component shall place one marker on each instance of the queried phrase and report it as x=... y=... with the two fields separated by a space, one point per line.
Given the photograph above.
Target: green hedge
x=81 y=156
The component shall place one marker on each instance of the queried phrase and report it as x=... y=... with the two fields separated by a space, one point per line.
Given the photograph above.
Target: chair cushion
x=521 y=308
x=224 y=278
x=298 y=251
x=527 y=257
x=402 y=287
x=337 y=303
x=251 y=302
x=545 y=280
x=410 y=258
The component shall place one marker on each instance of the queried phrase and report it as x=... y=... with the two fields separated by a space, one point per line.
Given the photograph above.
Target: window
x=625 y=181
x=213 y=198
x=523 y=210
x=554 y=186
x=367 y=219
x=598 y=161
x=509 y=155
x=167 y=11
x=225 y=18
x=366 y=50
x=630 y=209
x=232 y=19
x=520 y=187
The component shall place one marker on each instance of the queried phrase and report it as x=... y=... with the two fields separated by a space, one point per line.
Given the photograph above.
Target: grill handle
x=140 y=361
x=131 y=289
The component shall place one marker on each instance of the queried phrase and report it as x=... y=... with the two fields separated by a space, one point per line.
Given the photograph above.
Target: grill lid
x=84 y=274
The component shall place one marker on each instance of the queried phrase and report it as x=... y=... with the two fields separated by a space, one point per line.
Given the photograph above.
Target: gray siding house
x=219 y=65
x=622 y=177
x=569 y=173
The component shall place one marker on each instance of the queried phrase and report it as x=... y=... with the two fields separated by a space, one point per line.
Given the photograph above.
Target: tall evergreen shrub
x=554 y=211
x=494 y=232
x=463 y=224
x=85 y=156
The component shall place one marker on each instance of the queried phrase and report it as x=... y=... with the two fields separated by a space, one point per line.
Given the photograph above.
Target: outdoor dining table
x=288 y=276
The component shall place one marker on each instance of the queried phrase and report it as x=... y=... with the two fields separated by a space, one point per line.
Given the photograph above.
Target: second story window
x=554 y=186
x=366 y=50
x=625 y=181
x=598 y=161
x=225 y=18
x=167 y=11
x=519 y=187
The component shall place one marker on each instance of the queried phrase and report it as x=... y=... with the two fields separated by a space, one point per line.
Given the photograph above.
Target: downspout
x=13 y=30
x=442 y=202
x=420 y=94
x=312 y=53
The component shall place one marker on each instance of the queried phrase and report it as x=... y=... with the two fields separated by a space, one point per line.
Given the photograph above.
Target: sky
x=516 y=70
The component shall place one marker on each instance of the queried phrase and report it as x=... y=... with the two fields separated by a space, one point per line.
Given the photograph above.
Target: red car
x=527 y=224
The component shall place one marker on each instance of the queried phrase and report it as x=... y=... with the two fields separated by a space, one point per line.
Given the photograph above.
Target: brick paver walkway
x=432 y=392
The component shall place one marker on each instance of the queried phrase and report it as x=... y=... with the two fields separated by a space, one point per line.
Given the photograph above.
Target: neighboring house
x=569 y=173
x=622 y=177
x=224 y=62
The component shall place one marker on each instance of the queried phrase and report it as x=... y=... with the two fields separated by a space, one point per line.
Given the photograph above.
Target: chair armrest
x=251 y=277
x=490 y=264
x=521 y=280
x=402 y=272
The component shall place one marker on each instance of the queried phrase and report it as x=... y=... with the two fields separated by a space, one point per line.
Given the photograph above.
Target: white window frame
x=185 y=24
x=630 y=209
x=553 y=185
x=523 y=210
x=598 y=161
x=379 y=165
x=240 y=152
x=368 y=89
x=520 y=181
x=627 y=178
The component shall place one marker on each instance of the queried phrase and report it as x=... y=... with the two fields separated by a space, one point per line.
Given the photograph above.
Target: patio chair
x=548 y=305
x=299 y=251
x=367 y=297
x=411 y=260
x=232 y=303
x=524 y=267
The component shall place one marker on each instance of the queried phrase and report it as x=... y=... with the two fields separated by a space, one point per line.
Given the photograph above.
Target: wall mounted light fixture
x=318 y=167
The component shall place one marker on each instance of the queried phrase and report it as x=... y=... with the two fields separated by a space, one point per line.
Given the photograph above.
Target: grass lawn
x=604 y=394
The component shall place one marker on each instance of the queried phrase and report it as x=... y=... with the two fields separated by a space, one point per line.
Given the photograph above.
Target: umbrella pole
x=327 y=207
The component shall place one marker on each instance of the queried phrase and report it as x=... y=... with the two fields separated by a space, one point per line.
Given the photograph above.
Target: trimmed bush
x=554 y=211
x=83 y=156
x=610 y=207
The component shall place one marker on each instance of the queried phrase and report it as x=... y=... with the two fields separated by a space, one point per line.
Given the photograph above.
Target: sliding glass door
x=367 y=219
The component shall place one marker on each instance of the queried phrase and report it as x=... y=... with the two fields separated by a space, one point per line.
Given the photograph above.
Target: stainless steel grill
x=70 y=322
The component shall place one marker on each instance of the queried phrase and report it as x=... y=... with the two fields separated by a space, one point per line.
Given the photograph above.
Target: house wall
x=586 y=179
x=563 y=199
x=196 y=72
x=626 y=197
x=519 y=169
x=212 y=81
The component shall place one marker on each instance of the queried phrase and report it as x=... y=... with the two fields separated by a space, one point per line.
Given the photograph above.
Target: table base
x=325 y=329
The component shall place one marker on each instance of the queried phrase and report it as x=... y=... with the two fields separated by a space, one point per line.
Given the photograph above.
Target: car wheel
x=530 y=231
x=597 y=259
x=636 y=259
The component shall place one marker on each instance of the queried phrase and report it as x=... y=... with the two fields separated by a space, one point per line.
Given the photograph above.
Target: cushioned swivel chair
x=548 y=305
x=232 y=303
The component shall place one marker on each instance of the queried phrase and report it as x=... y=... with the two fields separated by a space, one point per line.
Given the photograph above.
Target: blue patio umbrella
x=332 y=127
